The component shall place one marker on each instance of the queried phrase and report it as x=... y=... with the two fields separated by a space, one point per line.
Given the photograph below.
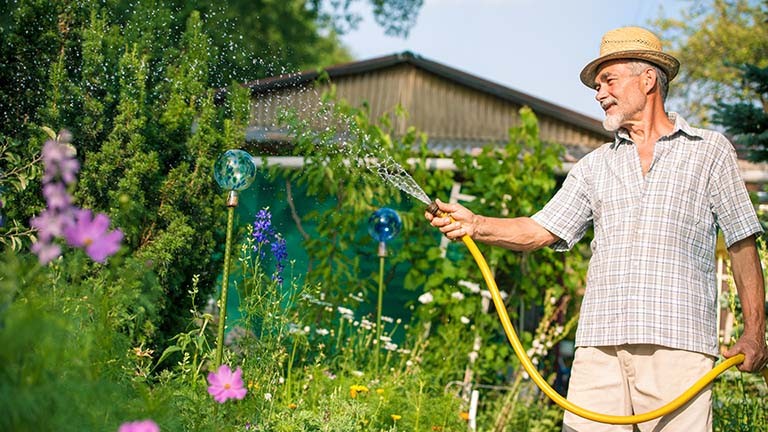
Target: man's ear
x=649 y=79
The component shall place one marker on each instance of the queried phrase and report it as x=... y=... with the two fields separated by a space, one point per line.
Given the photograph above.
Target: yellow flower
x=355 y=389
x=380 y=391
x=292 y=405
x=396 y=417
x=464 y=415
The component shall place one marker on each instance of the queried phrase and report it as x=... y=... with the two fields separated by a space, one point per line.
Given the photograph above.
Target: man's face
x=620 y=94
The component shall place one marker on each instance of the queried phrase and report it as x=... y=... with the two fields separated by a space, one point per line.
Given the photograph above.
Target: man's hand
x=461 y=221
x=748 y=276
x=755 y=352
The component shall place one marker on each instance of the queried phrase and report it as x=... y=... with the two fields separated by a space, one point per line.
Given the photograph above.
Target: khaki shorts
x=635 y=379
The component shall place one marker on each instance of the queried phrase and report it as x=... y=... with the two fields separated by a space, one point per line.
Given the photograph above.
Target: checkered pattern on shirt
x=651 y=277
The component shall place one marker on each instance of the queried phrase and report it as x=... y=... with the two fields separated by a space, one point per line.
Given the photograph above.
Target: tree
x=249 y=40
x=708 y=39
x=746 y=121
x=138 y=85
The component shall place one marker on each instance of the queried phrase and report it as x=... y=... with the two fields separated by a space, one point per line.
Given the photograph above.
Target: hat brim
x=666 y=62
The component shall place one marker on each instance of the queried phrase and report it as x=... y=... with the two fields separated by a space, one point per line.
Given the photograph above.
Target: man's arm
x=748 y=276
x=518 y=234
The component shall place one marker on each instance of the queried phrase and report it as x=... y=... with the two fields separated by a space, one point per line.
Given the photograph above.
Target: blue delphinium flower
x=280 y=252
x=263 y=234
x=262 y=227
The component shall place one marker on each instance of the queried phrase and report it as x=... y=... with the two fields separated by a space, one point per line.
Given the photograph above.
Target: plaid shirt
x=651 y=278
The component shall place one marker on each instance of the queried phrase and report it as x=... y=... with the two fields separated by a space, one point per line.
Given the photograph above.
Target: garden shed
x=455 y=109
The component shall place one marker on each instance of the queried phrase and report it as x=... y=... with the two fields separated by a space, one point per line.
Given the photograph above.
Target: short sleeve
x=569 y=213
x=729 y=200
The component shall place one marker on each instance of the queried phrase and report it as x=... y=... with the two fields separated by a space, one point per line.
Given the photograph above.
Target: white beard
x=613 y=122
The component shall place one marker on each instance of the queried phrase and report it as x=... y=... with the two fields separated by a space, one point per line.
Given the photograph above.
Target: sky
x=537 y=47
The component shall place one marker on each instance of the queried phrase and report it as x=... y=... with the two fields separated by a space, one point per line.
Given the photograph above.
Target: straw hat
x=630 y=43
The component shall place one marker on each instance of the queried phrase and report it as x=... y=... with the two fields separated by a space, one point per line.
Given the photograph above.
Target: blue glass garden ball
x=234 y=170
x=384 y=224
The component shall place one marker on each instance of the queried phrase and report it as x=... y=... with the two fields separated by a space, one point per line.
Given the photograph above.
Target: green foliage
x=68 y=329
x=148 y=129
x=708 y=39
x=516 y=179
x=17 y=175
x=746 y=121
x=740 y=402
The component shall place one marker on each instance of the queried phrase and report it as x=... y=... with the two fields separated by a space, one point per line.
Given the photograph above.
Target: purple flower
x=262 y=227
x=139 y=426
x=279 y=251
x=264 y=233
x=59 y=161
x=225 y=384
x=56 y=196
x=50 y=224
x=91 y=233
x=45 y=251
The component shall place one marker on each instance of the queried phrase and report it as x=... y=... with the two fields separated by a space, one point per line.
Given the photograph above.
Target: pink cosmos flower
x=91 y=233
x=139 y=426
x=224 y=384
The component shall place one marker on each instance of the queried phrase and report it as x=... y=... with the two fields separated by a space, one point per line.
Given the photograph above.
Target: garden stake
x=544 y=385
x=234 y=171
x=382 y=256
x=383 y=225
x=225 y=278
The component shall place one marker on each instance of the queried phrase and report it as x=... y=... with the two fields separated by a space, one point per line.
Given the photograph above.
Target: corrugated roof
x=539 y=106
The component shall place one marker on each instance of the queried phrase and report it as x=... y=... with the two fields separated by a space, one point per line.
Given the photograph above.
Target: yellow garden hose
x=554 y=395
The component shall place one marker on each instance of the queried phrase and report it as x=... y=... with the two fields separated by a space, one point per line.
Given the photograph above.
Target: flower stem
x=288 y=381
x=418 y=405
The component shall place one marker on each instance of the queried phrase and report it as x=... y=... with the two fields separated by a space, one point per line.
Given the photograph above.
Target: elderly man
x=656 y=197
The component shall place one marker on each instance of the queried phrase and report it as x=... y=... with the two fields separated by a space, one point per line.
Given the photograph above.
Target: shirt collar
x=680 y=126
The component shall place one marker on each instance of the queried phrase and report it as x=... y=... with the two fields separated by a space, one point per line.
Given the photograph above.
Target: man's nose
x=600 y=94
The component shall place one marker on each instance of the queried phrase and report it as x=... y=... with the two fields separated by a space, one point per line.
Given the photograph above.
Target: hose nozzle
x=434 y=210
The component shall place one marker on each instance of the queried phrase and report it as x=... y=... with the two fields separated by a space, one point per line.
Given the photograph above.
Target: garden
x=157 y=274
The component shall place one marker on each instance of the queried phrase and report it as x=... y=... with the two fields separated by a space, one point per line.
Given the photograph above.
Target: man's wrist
x=756 y=332
x=477 y=223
